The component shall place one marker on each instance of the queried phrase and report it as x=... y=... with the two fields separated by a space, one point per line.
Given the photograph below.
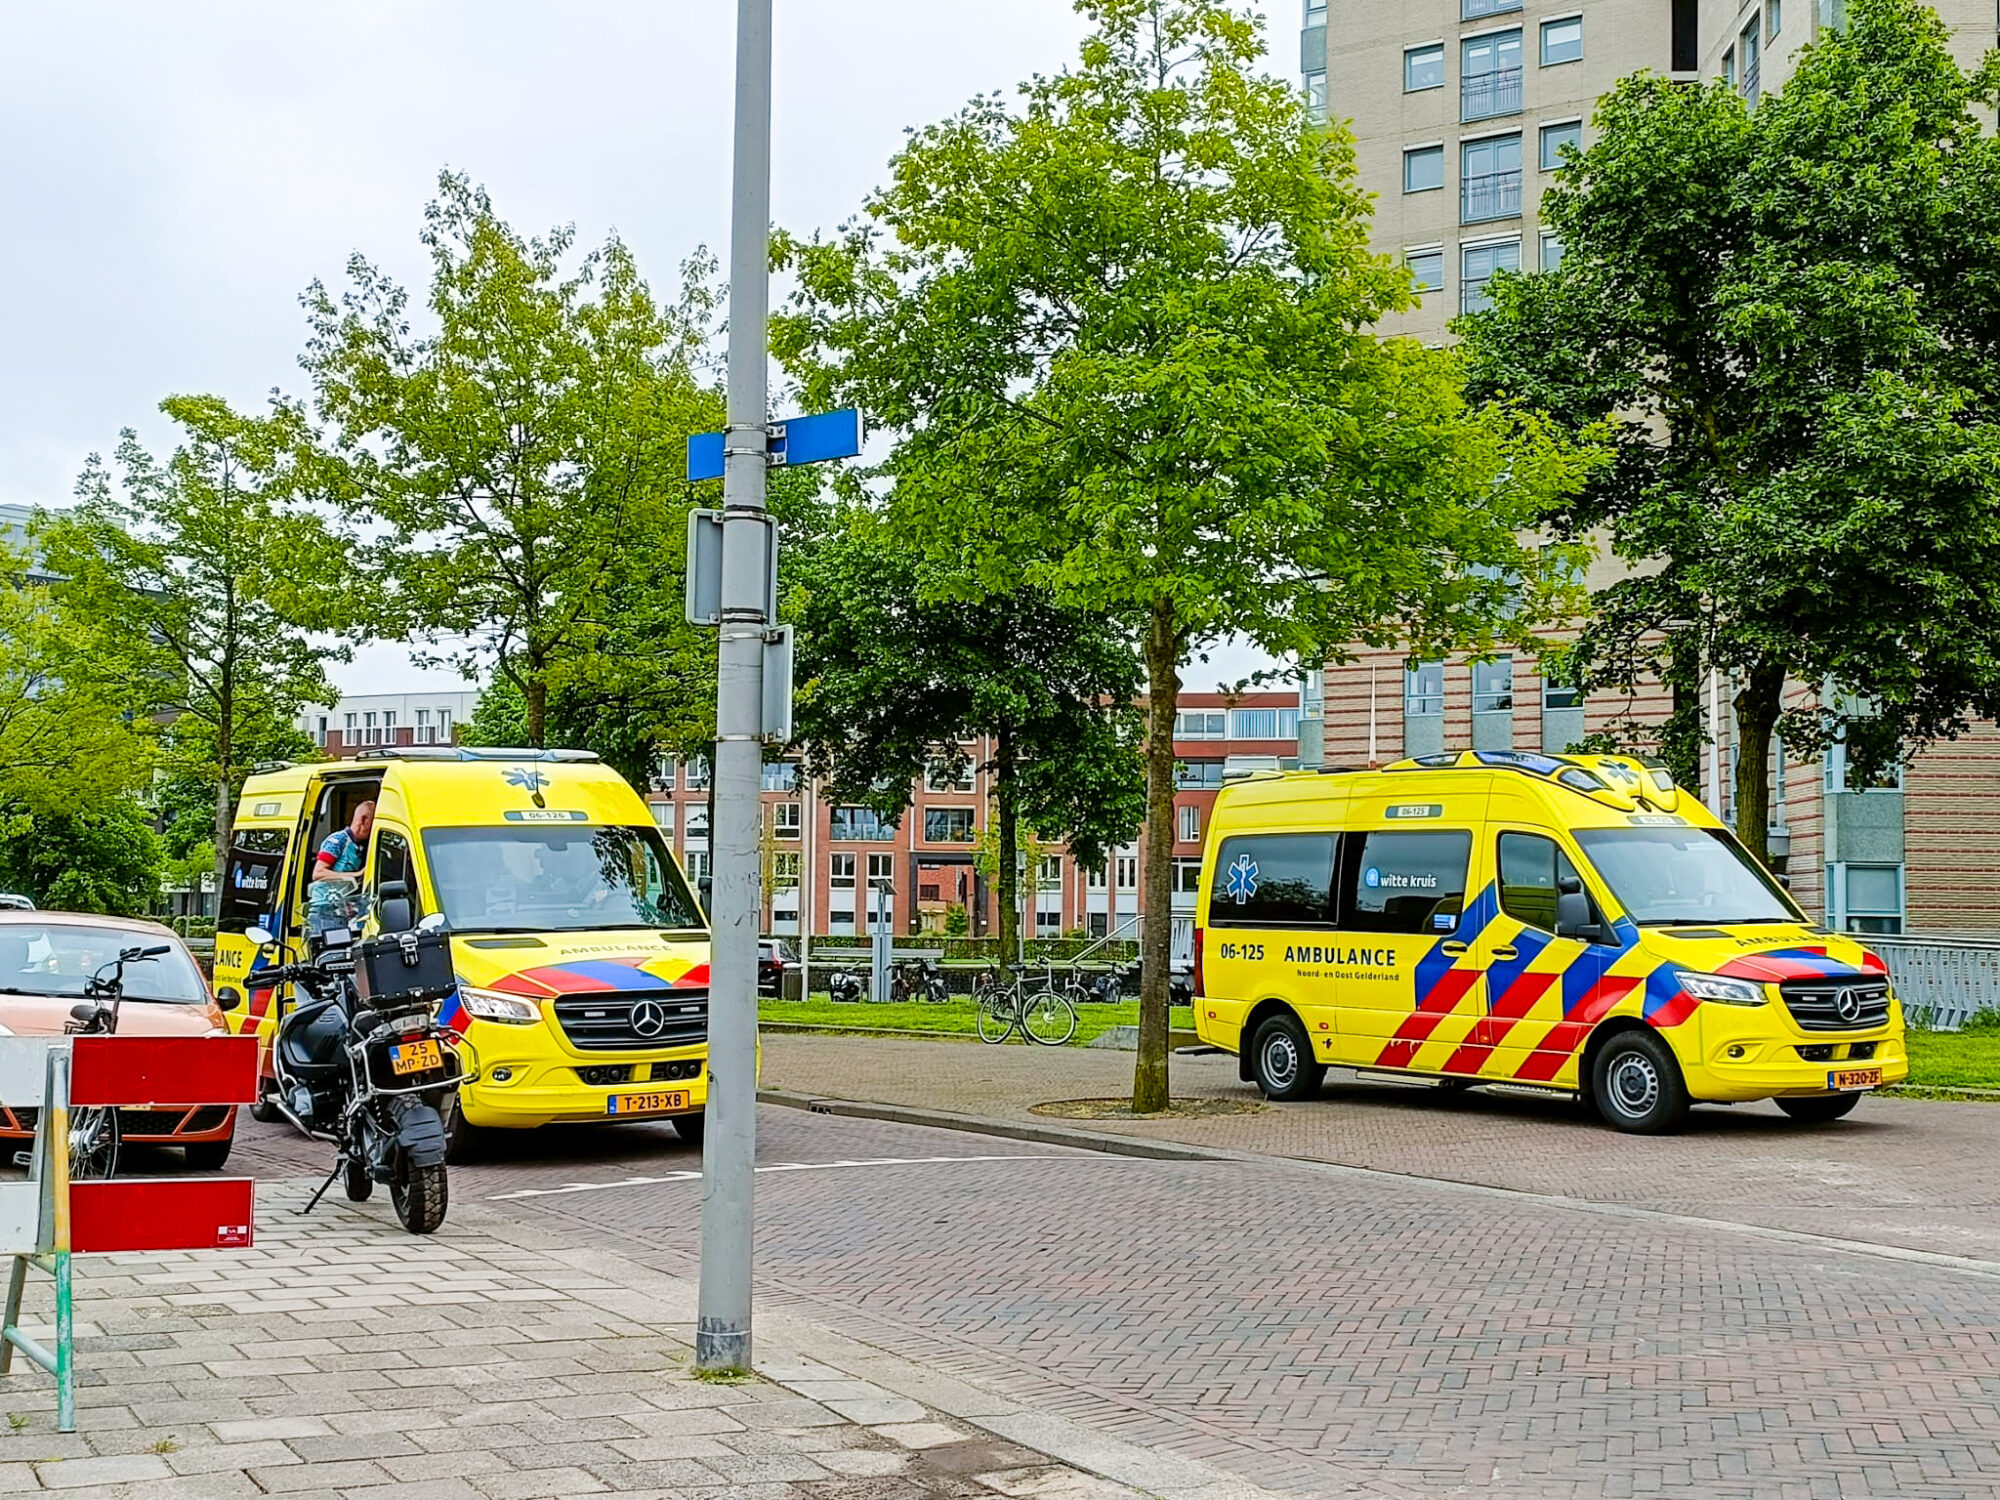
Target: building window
x=1748 y=57
x=1555 y=695
x=1127 y=866
x=1554 y=138
x=1201 y=724
x=1729 y=67
x=860 y=825
x=1477 y=266
x=781 y=776
x=940 y=777
x=1493 y=686
x=1264 y=724
x=697 y=821
x=1423 y=68
x=1093 y=880
x=1491 y=85
x=1426 y=269
x=787 y=818
x=1833 y=15
x=840 y=871
x=785 y=871
x=881 y=870
x=444 y=725
x=1188 y=824
x=1187 y=877
x=1198 y=775
x=1871 y=898
x=1048 y=873
x=1315 y=12
x=1423 y=690
x=1473 y=10
x=1552 y=251
x=663 y=817
x=1316 y=97
x=697 y=774
x=1423 y=169
x=389 y=726
x=1774 y=18
x=423 y=726
x=1490 y=178
x=1835 y=771
x=947 y=825
x=1562 y=41
x=320 y=737
x=697 y=868
x=352 y=720
x=664 y=774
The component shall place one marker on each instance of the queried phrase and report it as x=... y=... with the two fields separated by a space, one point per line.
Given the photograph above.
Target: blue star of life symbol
x=1242 y=879
x=526 y=779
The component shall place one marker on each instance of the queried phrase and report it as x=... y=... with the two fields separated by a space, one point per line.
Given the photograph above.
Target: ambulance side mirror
x=1574 y=918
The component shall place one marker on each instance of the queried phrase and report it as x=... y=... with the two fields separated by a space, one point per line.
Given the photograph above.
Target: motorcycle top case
x=403 y=968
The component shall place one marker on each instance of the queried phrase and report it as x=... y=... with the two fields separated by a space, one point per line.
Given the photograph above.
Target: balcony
x=1497 y=195
x=1487 y=96
x=1753 y=79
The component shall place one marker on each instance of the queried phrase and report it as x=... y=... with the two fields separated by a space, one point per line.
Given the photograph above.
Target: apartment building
x=824 y=860
x=1461 y=111
x=378 y=721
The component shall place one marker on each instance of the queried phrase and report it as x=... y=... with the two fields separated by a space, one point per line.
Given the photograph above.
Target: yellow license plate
x=646 y=1104
x=1854 y=1078
x=415 y=1057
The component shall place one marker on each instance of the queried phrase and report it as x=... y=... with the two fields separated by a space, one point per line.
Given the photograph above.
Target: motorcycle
x=846 y=987
x=918 y=979
x=1123 y=979
x=366 y=1066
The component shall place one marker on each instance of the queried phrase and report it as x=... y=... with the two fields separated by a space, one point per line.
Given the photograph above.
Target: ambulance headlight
x=490 y=1005
x=1720 y=991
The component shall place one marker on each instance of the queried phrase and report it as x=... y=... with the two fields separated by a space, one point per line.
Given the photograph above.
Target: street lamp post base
x=723 y=1349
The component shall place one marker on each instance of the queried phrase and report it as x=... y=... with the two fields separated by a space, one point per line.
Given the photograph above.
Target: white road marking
x=781 y=1166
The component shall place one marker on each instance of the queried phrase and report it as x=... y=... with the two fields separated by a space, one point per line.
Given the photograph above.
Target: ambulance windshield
x=1673 y=877
x=557 y=879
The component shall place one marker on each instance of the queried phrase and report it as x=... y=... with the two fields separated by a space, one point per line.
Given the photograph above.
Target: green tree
x=65 y=735
x=193 y=586
x=98 y=856
x=525 y=458
x=1122 y=334
x=183 y=795
x=896 y=669
x=1789 y=317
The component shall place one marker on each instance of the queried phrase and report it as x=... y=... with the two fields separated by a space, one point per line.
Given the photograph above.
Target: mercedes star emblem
x=649 y=1018
x=1848 y=1003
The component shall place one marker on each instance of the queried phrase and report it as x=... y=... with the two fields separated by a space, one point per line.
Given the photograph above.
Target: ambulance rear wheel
x=1281 y=1060
x=1637 y=1085
x=1820 y=1109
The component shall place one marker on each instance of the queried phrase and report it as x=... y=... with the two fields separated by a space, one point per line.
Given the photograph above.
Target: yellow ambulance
x=582 y=956
x=1565 y=922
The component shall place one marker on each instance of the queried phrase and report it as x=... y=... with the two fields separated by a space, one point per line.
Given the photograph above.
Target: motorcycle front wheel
x=419 y=1196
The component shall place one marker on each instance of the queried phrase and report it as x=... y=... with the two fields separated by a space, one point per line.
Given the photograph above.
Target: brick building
x=379 y=721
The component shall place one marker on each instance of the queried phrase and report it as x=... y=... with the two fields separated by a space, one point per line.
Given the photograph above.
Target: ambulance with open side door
x=582 y=956
x=1566 y=922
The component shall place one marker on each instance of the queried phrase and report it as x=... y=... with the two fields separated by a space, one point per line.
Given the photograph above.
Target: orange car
x=47 y=959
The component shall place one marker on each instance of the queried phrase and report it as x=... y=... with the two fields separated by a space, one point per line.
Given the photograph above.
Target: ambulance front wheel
x=1281 y=1060
x=1637 y=1085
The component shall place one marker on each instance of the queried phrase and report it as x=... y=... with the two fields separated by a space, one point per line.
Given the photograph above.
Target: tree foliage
x=1122 y=331
x=99 y=855
x=896 y=671
x=1789 y=317
x=525 y=457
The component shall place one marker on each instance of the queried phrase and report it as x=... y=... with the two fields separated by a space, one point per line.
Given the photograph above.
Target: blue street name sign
x=796 y=440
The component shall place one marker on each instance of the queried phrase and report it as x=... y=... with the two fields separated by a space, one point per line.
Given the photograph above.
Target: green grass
x=955 y=1017
x=1968 y=1059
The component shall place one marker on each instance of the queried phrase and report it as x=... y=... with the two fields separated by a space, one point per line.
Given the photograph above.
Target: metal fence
x=1943 y=982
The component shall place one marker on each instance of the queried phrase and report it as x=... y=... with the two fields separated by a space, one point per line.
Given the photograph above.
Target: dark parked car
x=775 y=957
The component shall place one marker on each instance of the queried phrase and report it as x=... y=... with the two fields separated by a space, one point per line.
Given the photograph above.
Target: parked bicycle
x=918 y=979
x=93 y=1132
x=1035 y=1008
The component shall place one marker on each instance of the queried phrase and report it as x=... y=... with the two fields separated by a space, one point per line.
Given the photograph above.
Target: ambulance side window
x=393 y=862
x=1273 y=880
x=250 y=880
x=1530 y=867
x=1404 y=882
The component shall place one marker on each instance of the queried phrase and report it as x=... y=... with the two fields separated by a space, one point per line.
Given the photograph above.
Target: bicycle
x=1042 y=1014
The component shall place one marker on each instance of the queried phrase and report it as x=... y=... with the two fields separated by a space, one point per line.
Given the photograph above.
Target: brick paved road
x=1898 y=1171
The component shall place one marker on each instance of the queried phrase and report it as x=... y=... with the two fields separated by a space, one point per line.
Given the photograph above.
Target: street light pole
x=722 y=1332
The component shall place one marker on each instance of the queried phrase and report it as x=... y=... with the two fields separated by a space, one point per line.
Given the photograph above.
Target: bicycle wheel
x=996 y=1017
x=1048 y=1017
x=93 y=1144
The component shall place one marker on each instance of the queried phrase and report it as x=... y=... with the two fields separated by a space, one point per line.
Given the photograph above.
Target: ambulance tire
x=1820 y=1109
x=1281 y=1060
x=1637 y=1086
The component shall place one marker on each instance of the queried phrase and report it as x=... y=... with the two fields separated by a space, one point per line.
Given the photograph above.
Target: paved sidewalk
x=500 y=1361
x=1913 y=1174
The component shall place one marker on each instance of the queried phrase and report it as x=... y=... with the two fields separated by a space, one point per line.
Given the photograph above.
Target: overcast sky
x=176 y=174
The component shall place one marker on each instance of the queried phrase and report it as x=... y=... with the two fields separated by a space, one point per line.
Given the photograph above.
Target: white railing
x=1943 y=982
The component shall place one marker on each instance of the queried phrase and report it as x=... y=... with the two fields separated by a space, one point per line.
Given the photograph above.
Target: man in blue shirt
x=337 y=872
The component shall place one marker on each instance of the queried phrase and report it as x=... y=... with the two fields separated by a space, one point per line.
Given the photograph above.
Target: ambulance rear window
x=1273 y=880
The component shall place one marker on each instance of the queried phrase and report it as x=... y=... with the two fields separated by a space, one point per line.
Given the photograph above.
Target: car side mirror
x=260 y=937
x=1574 y=918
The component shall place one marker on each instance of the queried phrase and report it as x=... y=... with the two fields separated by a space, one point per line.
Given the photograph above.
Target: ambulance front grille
x=630 y=1022
x=1837 y=1004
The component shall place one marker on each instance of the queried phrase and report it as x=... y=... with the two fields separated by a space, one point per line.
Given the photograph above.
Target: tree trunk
x=1150 y=1091
x=1758 y=704
x=1007 y=811
x=537 y=696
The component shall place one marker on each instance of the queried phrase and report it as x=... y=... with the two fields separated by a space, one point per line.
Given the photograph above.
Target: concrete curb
x=1040 y=1135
